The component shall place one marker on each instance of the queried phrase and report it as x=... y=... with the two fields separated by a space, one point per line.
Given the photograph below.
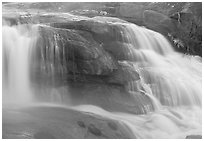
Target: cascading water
x=172 y=81
x=165 y=73
x=17 y=42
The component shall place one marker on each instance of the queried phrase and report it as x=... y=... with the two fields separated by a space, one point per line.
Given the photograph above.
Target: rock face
x=93 y=58
x=131 y=12
x=189 y=27
x=75 y=51
x=158 y=22
x=121 y=50
x=124 y=74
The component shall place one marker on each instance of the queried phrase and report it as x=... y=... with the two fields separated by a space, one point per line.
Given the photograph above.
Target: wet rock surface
x=43 y=135
x=92 y=129
x=44 y=122
x=113 y=125
x=81 y=124
x=125 y=73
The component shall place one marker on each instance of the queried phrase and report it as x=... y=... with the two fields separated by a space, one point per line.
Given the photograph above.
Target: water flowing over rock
x=104 y=78
x=87 y=55
x=124 y=74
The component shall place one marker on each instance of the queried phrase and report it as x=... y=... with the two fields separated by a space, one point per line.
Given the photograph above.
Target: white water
x=175 y=88
x=170 y=77
x=163 y=124
x=17 y=42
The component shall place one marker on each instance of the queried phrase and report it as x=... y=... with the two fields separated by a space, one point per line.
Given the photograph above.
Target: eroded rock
x=124 y=74
x=92 y=128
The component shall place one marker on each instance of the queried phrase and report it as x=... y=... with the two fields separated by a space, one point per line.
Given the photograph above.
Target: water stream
x=171 y=80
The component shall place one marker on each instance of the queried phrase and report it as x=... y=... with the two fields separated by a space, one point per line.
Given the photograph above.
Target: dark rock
x=194 y=137
x=103 y=65
x=94 y=130
x=189 y=28
x=43 y=135
x=72 y=51
x=102 y=32
x=45 y=18
x=10 y=21
x=153 y=17
x=124 y=74
x=81 y=124
x=78 y=44
x=113 y=125
x=122 y=51
x=158 y=22
x=131 y=12
x=109 y=33
x=108 y=96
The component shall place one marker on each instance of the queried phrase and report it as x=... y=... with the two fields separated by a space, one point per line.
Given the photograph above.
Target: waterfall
x=17 y=42
x=170 y=80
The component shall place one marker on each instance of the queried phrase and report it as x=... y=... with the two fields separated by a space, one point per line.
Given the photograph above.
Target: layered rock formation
x=87 y=52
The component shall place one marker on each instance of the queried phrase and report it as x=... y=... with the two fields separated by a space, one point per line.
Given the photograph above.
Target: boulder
x=121 y=50
x=47 y=122
x=68 y=54
x=110 y=97
x=131 y=12
x=76 y=44
x=125 y=73
x=158 y=22
x=102 y=32
x=103 y=65
x=61 y=47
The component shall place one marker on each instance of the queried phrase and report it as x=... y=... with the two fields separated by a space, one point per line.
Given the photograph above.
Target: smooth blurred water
x=166 y=123
x=17 y=42
x=171 y=80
